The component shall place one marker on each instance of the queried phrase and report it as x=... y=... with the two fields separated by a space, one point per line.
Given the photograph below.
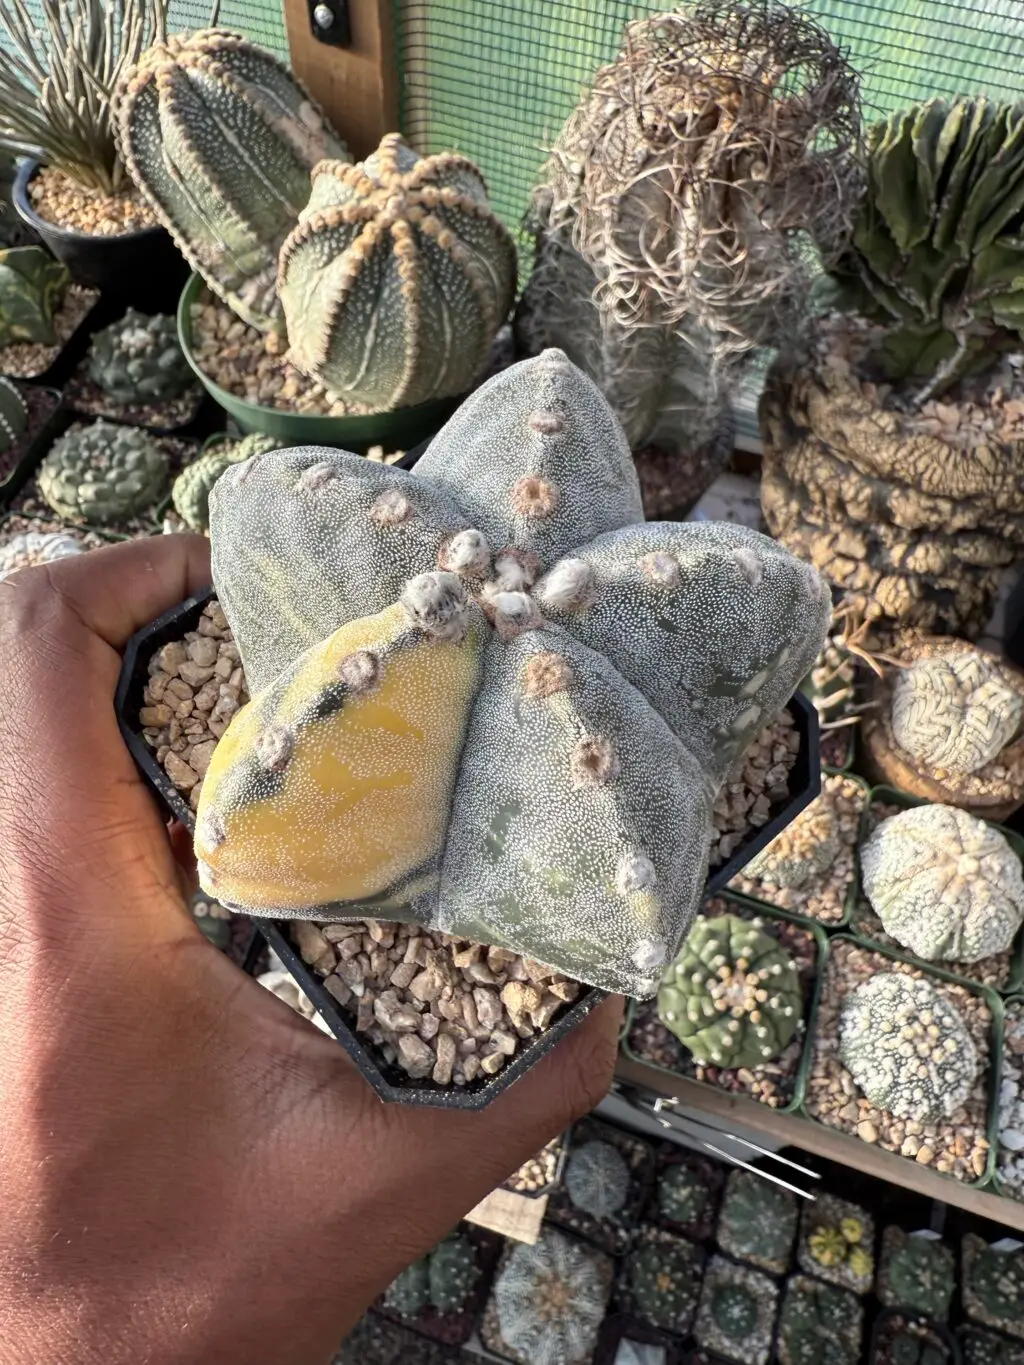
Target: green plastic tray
x=821 y=940
x=1014 y=983
x=995 y=1068
x=997 y=1184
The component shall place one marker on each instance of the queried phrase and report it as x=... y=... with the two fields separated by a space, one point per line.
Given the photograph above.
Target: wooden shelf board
x=794 y=1131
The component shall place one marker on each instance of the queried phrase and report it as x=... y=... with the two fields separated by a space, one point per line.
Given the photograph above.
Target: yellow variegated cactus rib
x=508 y=732
x=334 y=784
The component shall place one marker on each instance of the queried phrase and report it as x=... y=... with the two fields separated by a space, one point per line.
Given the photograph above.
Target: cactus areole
x=487 y=696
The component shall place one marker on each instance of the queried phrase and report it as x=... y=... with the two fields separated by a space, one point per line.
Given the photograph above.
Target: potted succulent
x=916 y=1272
x=23 y=548
x=992 y=1285
x=979 y=1347
x=378 y=1341
x=892 y=441
x=136 y=372
x=686 y=1193
x=736 y=1316
x=836 y=1244
x=442 y=1294
x=29 y=418
x=44 y=317
x=55 y=99
x=819 y=1324
x=903 y=1338
x=605 y=1184
x=661 y=1280
x=758 y=1222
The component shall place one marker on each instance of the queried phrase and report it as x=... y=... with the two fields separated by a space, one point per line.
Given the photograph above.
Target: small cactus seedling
x=918 y=1273
x=103 y=474
x=955 y=713
x=906 y=1047
x=682 y=1195
x=550 y=1299
x=597 y=1179
x=453 y=1274
x=993 y=1286
x=663 y=1275
x=138 y=360
x=13 y=415
x=944 y=883
x=819 y=1324
x=758 y=1222
x=32 y=289
x=737 y=1312
x=409 y=1293
x=732 y=996
x=193 y=486
x=484 y=699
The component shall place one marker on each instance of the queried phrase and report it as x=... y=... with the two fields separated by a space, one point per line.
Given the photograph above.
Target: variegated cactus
x=397 y=277
x=487 y=696
x=221 y=139
x=32 y=289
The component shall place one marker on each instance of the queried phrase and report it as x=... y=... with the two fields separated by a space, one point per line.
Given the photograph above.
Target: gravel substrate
x=39 y=406
x=752 y=1347
x=992 y=971
x=612 y=1234
x=956 y=1146
x=824 y=897
x=773 y=1083
x=754 y=790
x=1010 y=1153
x=86 y=396
x=539 y=1172
x=61 y=201
x=30 y=359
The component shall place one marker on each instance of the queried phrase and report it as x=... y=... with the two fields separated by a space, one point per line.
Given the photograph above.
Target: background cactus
x=943 y=883
x=138 y=360
x=663 y=1275
x=550 y=1299
x=32 y=289
x=836 y=1243
x=956 y=712
x=13 y=414
x=804 y=850
x=737 y=1312
x=191 y=491
x=906 y=1047
x=993 y=1285
x=758 y=1222
x=731 y=996
x=397 y=277
x=985 y=1348
x=917 y=1273
x=102 y=474
x=819 y=1324
x=682 y=1194
x=578 y=702
x=409 y=1292
x=221 y=140
x=597 y=1179
x=444 y=1279
x=36 y=547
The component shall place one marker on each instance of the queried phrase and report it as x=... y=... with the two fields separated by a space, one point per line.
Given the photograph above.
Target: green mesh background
x=260 y=20
x=496 y=80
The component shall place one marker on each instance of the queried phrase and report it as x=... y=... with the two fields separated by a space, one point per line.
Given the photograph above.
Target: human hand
x=189 y=1172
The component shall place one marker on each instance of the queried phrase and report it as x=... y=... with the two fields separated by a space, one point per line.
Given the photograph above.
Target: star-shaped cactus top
x=487 y=696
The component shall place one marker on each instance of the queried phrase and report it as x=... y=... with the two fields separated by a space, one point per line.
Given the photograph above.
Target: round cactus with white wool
x=906 y=1047
x=804 y=850
x=103 y=473
x=487 y=697
x=29 y=548
x=597 y=1179
x=955 y=713
x=945 y=884
x=550 y=1300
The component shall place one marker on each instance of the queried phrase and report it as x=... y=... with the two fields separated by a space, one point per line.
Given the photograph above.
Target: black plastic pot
x=143 y=269
x=889 y=1318
x=53 y=418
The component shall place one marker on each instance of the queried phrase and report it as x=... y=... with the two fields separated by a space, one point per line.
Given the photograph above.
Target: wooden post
x=356 y=85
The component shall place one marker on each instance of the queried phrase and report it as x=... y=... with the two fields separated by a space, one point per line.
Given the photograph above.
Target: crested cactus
x=409 y=1293
x=191 y=491
x=221 y=139
x=25 y=550
x=906 y=1047
x=944 y=884
x=805 y=849
x=819 y=1324
x=550 y=1299
x=731 y=996
x=916 y=1273
x=32 y=289
x=138 y=360
x=103 y=474
x=663 y=1274
x=597 y=1179
x=13 y=415
x=453 y=1273
x=482 y=646
x=397 y=277
x=956 y=712
x=993 y=1285
x=758 y=1222
x=737 y=1312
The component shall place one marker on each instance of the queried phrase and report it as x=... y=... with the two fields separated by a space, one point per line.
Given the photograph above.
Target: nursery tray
x=488 y=1247
x=821 y=939
x=993 y=1072
x=942 y=1332
x=891 y=796
x=53 y=425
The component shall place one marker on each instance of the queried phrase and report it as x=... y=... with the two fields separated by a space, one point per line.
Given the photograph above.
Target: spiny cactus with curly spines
x=221 y=139
x=803 y=851
x=453 y=1273
x=13 y=414
x=550 y=1299
x=731 y=996
x=682 y=1195
x=32 y=289
x=102 y=474
x=993 y=1285
x=536 y=726
x=955 y=713
x=397 y=277
x=758 y=1221
x=937 y=253
x=25 y=550
x=906 y=1047
x=663 y=1274
x=819 y=1324
x=138 y=360
x=191 y=491
x=917 y=1273
x=409 y=1293
x=943 y=883
x=597 y=1179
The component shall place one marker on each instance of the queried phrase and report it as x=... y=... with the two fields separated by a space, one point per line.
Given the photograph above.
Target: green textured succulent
x=758 y=1221
x=597 y=1179
x=138 y=360
x=682 y=1194
x=397 y=278
x=737 y=1312
x=13 y=414
x=938 y=253
x=221 y=139
x=732 y=995
x=663 y=1275
x=193 y=486
x=409 y=1293
x=994 y=1285
x=453 y=1273
x=819 y=1324
x=985 y=1348
x=103 y=474
x=32 y=289
x=917 y=1273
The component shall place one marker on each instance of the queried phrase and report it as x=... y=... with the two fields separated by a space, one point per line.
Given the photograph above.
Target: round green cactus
x=103 y=473
x=758 y=1221
x=597 y=1179
x=682 y=1196
x=731 y=996
x=13 y=414
x=193 y=486
x=484 y=699
x=955 y=713
x=734 y=1309
x=944 y=883
x=550 y=1300
x=409 y=1293
x=453 y=1274
x=138 y=360
x=996 y=1282
x=397 y=278
x=906 y=1047
x=819 y=1324
x=916 y=1273
x=32 y=289
x=663 y=1278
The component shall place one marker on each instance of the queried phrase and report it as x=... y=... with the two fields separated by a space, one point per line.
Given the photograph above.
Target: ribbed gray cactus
x=550 y=1299
x=955 y=712
x=221 y=139
x=534 y=694
x=597 y=1179
x=397 y=277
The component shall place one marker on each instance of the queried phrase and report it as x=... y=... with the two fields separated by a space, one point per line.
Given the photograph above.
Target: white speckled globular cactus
x=955 y=714
x=486 y=696
x=944 y=884
x=397 y=277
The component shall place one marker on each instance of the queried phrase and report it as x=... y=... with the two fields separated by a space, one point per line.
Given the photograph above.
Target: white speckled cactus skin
x=397 y=277
x=944 y=884
x=906 y=1047
x=954 y=714
x=466 y=715
x=550 y=1301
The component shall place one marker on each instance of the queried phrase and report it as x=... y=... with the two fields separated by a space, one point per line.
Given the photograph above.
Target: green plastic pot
x=398 y=430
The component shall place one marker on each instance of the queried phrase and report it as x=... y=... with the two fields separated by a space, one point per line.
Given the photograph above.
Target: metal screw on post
x=323 y=16
x=330 y=22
